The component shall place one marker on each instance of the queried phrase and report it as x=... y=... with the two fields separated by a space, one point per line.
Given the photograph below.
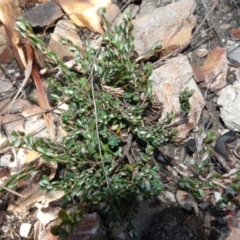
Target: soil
x=174 y=224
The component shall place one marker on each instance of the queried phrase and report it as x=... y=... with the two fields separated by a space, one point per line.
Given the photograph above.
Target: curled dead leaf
x=187 y=201
x=85 y=13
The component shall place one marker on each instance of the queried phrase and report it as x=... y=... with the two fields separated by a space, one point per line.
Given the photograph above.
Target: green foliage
x=184 y=100
x=112 y=96
x=201 y=168
x=68 y=224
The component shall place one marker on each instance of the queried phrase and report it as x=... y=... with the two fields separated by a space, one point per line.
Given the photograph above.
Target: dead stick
x=16 y=193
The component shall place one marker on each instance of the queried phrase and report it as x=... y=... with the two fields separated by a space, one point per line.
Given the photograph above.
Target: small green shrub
x=111 y=98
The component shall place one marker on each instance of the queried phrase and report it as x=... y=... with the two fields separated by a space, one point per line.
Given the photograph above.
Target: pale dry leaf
x=26 y=158
x=42 y=233
x=23 y=159
x=23 y=204
x=84 y=13
x=47 y=214
x=63 y=132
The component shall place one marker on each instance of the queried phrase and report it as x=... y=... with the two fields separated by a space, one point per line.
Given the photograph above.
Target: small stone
x=25 y=229
x=225 y=26
x=202 y=52
x=43 y=15
x=233 y=53
x=204 y=205
x=5 y=160
x=64 y=29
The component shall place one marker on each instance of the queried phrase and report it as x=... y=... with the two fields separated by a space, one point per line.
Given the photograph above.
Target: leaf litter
x=170 y=26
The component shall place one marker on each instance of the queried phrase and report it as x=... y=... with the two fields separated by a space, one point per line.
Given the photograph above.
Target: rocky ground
x=200 y=51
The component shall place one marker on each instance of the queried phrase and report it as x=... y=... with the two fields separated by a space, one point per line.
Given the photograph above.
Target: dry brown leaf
x=29 y=60
x=187 y=201
x=27 y=73
x=31 y=2
x=89 y=228
x=84 y=13
x=235 y=33
x=215 y=69
x=23 y=160
x=43 y=102
x=5 y=50
x=3 y=176
x=38 y=62
x=9 y=11
x=23 y=204
x=26 y=158
x=197 y=73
